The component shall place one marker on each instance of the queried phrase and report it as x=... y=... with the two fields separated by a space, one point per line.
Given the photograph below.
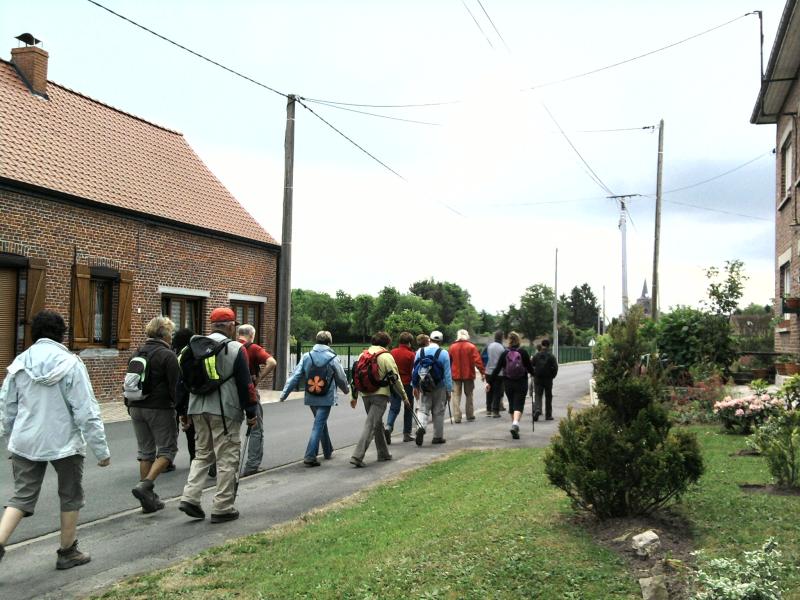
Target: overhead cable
x=371 y=114
x=478 y=25
x=718 y=210
x=728 y=172
x=497 y=31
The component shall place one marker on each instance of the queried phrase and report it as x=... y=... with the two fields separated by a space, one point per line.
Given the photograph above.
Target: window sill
x=781 y=330
x=785 y=201
x=99 y=353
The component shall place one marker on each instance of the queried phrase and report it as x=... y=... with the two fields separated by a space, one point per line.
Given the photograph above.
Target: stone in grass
x=654 y=588
x=645 y=544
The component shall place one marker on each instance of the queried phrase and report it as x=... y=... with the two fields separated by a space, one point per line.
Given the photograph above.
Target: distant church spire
x=644 y=289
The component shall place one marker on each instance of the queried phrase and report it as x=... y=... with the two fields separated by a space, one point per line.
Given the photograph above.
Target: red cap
x=223 y=314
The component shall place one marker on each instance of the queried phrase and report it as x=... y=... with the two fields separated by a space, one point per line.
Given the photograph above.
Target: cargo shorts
x=28 y=477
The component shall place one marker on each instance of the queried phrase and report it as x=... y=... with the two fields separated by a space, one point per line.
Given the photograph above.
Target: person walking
x=374 y=374
x=153 y=413
x=215 y=393
x=464 y=359
x=261 y=364
x=433 y=384
x=321 y=372
x=403 y=356
x=179 y=341
x=494 y=397
x=49 y=413
x=545 y=369
x=515 y=363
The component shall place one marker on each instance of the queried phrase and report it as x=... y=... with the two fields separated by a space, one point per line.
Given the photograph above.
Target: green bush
x=687 y=336
x=755 y=577
x=620 y=458
x=778 y=440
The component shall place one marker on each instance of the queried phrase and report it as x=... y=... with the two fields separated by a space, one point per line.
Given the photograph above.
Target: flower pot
x=792 y=303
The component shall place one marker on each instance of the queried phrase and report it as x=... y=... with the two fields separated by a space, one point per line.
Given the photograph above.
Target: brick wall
x=158 y=255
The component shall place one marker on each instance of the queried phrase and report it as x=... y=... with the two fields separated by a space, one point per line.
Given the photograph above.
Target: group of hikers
x=207 y=386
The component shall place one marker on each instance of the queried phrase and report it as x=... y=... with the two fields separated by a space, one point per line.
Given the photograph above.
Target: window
x=248 y=312
x=184 y=312
x=787 y=168
x=101 y=307
x=785 y=279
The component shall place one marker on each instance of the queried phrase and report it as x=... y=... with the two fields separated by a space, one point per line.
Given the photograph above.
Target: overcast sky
x=493 y=188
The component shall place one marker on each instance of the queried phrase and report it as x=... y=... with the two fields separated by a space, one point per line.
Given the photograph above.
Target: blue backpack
x=429 y=370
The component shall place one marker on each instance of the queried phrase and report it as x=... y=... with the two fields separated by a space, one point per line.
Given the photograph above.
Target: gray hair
x=462 y=334
x=247 y=331
x=159 y=327
x=324 y=337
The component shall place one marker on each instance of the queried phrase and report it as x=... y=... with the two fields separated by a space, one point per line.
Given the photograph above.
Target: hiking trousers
x=468 y=385
x=543 y=387
x=373 y=428
x=213 y=444
x=433 y=404
x=255 y=447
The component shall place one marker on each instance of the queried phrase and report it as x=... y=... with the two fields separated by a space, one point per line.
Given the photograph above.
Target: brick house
x=779 y=103
x=112 y=220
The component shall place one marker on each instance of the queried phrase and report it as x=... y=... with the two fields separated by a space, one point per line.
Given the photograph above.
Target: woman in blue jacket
x=319 y=370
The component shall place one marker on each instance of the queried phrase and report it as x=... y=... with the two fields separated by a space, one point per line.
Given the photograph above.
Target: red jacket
x=404 y=357
x=464 y=358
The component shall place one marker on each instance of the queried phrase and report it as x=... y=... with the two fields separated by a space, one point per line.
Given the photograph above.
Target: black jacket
x=544 y=365
x=162 y=375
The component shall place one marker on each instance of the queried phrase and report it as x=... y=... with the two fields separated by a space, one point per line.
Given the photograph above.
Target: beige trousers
x=455 y=402
x=212 y=444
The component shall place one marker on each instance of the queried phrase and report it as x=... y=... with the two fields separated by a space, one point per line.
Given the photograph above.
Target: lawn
x=479 y=525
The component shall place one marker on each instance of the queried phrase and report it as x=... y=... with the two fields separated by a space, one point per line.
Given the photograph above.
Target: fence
x=568 y=354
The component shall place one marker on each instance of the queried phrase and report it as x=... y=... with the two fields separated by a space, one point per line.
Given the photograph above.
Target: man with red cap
x=216 y=394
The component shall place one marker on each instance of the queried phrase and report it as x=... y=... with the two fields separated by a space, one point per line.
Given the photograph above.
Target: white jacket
x=47 y=405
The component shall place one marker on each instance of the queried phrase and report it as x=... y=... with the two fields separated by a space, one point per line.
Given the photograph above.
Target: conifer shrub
x=621 y=457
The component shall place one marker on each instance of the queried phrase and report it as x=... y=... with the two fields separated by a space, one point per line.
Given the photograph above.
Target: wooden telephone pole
x=654 y=301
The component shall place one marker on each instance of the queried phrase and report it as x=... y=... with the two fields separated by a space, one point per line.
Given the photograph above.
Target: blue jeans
x=319 y=434
x=394 y=410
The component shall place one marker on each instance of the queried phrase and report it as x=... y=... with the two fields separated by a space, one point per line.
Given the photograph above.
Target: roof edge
x=55 y=195
x=756 y=118
x=114 y=108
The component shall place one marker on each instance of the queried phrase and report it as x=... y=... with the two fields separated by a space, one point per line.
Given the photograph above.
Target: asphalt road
x=123 y=542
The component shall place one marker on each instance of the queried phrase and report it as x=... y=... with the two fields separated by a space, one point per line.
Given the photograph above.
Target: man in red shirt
x=464 y=359
x=404 y=357
x=261 y=364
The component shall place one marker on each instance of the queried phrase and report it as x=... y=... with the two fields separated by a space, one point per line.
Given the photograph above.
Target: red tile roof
x=78 y=146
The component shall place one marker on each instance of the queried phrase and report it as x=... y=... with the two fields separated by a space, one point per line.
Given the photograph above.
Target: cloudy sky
x=490 y=186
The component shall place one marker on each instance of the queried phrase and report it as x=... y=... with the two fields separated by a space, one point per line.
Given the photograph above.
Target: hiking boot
x=457 y=422
x=159 y=504
x=471 y=418
x=496 y=415
x=212 y=471
x=438 y=441
x=191 y=510
x=550 y=418
x=536 y=415
x=143 y=492
x=250 y=472
x=71 y=557
x=515 y=431
x=311 y=462
x=357 y=462
x=2 y=551
x=384 y=458
x=489 y=413
x=224 y=517
x=419 y=436
x=387 y=433
x=170 y=468
x=407 y=437
x=329 y=456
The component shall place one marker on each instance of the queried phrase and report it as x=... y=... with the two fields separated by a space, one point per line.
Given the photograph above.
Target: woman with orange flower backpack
x=320 y=373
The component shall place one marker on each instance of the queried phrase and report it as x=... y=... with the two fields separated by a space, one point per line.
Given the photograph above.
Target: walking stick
x=242 y=458
x=450 y=410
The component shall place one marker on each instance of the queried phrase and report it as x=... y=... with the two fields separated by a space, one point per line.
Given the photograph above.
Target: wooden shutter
x=81 y=306
x=125 y=310
x=8 y=318
x=36 y=293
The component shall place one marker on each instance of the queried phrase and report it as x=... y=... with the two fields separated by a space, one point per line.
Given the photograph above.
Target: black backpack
x=200 y=370
x=319 y=377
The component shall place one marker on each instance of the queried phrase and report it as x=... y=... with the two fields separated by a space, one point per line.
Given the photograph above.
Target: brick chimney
x=32 y=63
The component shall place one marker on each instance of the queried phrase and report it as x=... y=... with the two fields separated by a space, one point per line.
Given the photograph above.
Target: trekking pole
x=450 y=410
x=242 y=458
x=533 y=415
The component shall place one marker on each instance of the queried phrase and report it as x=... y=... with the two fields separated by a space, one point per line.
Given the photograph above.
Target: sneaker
x=329 y=456
x=143 y=492
x=357 y=462
x=489 y=413
x=2 y=551
x=384 y=458
x=407 y=437
x=457 y=422
x=419 y=436
x=387 y=433
x=470 y=418
x=548 y=418
x=224 y=517
x=71 y=557
x=212 y=471
x=438 y=441
x=311 y=462
x=515 y=432
x=191 y=510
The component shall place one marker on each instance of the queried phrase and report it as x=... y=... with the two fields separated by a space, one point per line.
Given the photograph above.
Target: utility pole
x=623 y=230
x=285 y=267
x=659 y=173
x=604 y=309
x=555 y=311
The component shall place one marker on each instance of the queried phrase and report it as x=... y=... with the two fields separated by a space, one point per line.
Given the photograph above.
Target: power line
x=478 y=25
x=627 y=60
x=718 y=210
x=182 y=47
x=497 y=31
x=642 y=128
x=422 y=105
x=372 y=156
x=595 y=177
x=728 y=172
x=371 y=114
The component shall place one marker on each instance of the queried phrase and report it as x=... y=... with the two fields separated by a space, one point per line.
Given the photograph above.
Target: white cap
x=437 y=336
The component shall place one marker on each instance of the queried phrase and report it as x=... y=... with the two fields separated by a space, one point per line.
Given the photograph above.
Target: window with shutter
x=102 y=303
x=36 y=293
x=248 y=312
x=8 y=318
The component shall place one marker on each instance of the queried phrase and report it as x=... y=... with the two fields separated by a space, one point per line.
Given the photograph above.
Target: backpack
x=429 y=370
x=199 y=367
x=514 y=368
x=319 y=377
x=136 y=385
x=366 y=373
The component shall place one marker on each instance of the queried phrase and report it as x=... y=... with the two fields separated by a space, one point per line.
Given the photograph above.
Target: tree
x=536 y=310
x=488 y=322
x=582 y=307
x=724 y=295
x=412 y=321
x=385 y=304
x=448 y=297
x=359 y=318
x=311 y=312
x=510 y=319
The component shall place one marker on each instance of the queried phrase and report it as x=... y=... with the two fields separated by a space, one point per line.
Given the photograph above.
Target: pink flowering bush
x=740 y=415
